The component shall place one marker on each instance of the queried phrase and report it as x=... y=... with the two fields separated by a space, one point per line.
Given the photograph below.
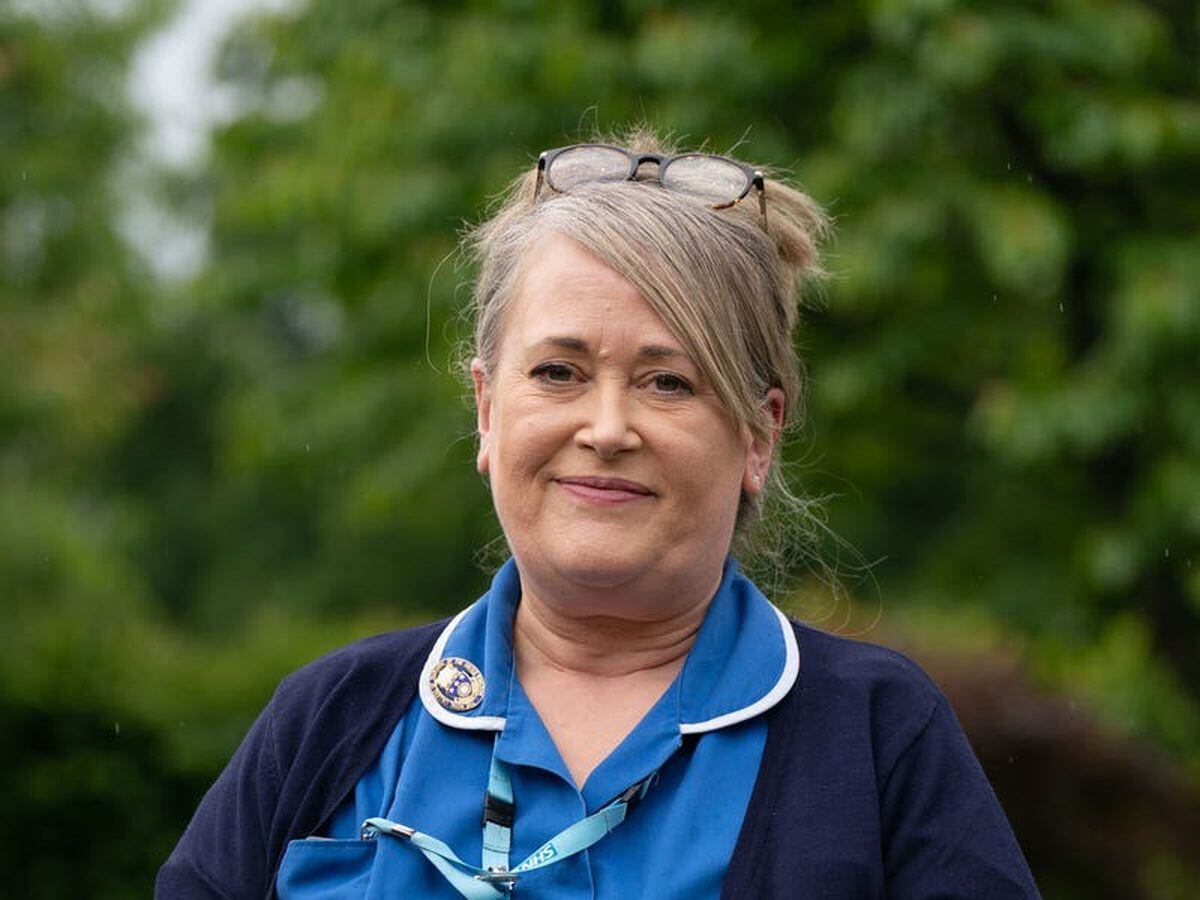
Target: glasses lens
x=582 y=164
x=707 y=178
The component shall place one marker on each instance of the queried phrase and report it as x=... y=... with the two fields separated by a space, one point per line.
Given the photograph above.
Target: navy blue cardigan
x=867 y=787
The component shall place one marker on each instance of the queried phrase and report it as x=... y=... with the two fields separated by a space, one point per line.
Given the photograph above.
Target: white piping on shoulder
x=791 y=668
x=435 y=709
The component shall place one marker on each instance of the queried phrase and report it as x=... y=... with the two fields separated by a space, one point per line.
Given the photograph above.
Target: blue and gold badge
x=457 y=684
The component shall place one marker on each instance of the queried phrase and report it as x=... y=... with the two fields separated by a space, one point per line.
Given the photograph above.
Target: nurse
x=623 y=714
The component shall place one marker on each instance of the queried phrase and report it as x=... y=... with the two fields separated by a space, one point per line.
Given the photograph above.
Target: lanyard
x=494 y=879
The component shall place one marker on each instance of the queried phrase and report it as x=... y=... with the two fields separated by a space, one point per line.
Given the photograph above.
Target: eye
x=554 y=373
x=669 y=383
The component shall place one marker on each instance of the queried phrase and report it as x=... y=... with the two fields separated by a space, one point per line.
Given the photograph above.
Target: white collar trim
x=791 y=669
x=435 y=709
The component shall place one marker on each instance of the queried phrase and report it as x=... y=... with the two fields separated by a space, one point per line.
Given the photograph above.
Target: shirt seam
x=934 y=709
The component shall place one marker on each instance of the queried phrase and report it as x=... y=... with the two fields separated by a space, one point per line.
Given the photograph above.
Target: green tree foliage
x=1022 y=249
x=1005 y=365
x=111 y=724
x=71 y=315
x=205 y=485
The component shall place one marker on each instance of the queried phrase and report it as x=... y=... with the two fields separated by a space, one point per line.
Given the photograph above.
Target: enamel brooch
x=457 y=684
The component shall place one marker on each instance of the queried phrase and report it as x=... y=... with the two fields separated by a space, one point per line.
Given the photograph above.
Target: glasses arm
x=541 y=173
x=760 y=183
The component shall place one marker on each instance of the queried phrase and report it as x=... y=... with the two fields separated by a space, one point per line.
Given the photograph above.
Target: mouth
x=604 y=490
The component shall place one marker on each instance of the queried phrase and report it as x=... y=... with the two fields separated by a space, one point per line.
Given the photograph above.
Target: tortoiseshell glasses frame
x=718 y=181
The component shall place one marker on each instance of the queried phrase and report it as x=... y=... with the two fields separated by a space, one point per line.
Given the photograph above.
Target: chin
x=595 y=569
x=587 y=561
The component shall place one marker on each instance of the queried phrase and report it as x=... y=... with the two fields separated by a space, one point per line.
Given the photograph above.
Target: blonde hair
x=724 y=286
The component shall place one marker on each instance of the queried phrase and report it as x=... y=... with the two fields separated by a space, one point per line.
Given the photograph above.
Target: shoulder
x=868 y=748
x=864 y=690
x=857 y=667
x=327 y=721
x=381 y=668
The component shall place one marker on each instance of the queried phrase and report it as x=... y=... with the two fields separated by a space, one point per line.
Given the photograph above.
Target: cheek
x=711 y=470
x=522 y=446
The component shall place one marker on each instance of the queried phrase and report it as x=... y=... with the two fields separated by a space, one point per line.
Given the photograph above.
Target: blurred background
x=232 y=435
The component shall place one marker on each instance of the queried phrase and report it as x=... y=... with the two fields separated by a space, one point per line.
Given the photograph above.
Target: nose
x=608 y=429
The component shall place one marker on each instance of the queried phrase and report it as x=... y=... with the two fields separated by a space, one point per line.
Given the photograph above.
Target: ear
x=483 y=414
x=758 y=454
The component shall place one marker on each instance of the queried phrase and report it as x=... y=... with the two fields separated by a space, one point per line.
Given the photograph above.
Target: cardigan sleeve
x=945 y=835
x=224 y=851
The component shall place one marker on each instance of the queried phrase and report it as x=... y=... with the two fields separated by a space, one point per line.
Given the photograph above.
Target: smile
x=604 y=490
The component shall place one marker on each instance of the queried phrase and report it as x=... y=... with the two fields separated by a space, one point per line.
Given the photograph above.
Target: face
x=612 y=463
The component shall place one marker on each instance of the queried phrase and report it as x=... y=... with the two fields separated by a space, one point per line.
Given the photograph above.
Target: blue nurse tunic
x=704 y=737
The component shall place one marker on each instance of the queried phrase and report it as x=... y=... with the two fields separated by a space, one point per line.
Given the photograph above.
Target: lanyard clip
x=501 y=878
x=497 y=811
x=633 y=794
x=372 y=828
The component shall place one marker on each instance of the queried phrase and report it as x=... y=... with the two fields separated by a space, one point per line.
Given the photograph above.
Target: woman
x=623 y=714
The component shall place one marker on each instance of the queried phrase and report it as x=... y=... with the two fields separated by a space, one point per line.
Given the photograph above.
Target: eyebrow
x=646 y=351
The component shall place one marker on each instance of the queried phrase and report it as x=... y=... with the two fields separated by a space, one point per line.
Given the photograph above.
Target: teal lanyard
x=494 y=879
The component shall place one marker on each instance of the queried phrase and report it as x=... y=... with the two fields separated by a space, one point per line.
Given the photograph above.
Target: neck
x=548 y=636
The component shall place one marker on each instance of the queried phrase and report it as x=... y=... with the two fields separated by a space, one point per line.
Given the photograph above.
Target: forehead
x=565 y=289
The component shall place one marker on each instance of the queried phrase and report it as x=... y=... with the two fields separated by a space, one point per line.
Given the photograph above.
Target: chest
x=671 y=842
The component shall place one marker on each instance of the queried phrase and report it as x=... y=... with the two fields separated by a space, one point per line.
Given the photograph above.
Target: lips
x=604 y=490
